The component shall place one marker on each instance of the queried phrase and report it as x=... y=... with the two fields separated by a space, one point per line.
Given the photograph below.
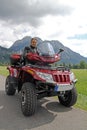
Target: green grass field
x=3 y=70
x=81 y=85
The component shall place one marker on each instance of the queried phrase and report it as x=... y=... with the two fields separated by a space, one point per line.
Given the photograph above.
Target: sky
x=62 y=20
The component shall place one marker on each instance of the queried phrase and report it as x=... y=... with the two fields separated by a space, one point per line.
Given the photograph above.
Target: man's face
x=34 y=43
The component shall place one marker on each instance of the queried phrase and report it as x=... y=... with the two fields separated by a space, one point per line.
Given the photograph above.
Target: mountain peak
x=68 y=56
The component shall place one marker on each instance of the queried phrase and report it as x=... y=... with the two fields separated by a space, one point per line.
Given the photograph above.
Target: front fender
x=32 y=72
x=12 y=71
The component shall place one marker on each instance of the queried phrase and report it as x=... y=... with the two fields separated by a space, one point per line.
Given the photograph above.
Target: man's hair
x=33 y=39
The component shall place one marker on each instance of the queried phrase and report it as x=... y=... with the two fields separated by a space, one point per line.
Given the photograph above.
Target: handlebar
x=45 y=59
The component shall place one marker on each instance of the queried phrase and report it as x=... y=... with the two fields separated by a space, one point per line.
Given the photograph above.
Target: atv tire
x=69 y=98
x=28 y=99
x=9 y=88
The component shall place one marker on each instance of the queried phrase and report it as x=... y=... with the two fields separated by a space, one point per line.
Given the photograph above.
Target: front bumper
x=52 y=86
x=58 y=87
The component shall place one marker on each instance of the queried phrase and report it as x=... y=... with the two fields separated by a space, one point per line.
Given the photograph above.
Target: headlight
x=45 y=76
x=72 y=77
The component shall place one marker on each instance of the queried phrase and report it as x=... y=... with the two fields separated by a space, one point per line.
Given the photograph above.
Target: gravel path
x=50 y=114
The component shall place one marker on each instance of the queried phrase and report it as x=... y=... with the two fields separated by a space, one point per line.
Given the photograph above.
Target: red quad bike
x=39 y=78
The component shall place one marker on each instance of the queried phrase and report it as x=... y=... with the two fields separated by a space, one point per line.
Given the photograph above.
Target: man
x=32 y=48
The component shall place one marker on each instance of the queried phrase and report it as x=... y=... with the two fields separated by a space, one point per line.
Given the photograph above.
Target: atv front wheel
x=69 y=98
x=9 y=88
x=28 y=99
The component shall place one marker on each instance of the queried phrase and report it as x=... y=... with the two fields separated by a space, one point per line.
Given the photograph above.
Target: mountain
x=19 y=45
x=68 y=56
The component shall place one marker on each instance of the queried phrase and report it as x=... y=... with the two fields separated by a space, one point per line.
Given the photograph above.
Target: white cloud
x=5 y=43
x=54 y=19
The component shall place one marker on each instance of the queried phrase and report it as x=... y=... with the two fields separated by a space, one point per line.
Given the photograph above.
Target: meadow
x=81 y=85
x=3 y=70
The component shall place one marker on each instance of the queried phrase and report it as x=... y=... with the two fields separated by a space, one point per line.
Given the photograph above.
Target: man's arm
x=26 y=50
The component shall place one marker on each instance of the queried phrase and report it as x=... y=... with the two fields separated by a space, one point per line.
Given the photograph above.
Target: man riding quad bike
x=40 y=79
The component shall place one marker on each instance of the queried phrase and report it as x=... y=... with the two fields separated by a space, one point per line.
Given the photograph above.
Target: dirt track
x=50 y=114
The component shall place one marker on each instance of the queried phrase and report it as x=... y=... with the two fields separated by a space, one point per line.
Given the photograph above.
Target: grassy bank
x=3 y=70
x=81 y=85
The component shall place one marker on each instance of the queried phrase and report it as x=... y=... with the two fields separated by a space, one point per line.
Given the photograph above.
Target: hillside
x=68 y=56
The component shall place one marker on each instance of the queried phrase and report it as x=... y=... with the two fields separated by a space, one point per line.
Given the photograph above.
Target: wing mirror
x=60 y=50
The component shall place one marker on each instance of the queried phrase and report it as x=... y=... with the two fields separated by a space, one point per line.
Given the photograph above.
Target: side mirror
x=61 y=50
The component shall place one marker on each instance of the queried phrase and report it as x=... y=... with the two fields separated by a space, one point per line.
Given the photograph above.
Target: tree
x=75 y=66
x=83 y=64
